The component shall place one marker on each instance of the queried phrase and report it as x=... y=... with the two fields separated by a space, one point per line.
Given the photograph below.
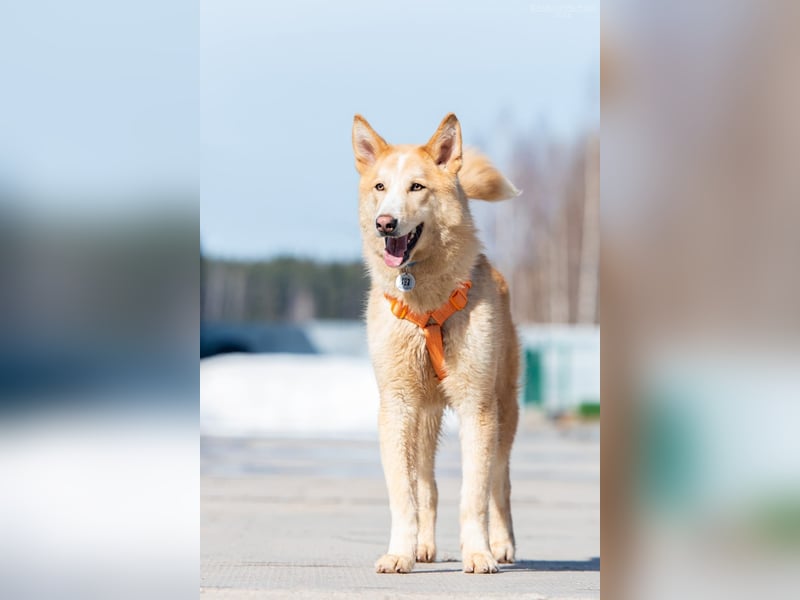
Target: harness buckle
x=458 y=299
x=399 y=309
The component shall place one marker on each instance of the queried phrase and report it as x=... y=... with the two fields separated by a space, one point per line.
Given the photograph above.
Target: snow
x=291 y=395
x=334 y=394
x=256 y=394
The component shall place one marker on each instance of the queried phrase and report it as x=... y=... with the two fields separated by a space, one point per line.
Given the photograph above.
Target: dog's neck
x=435 y=276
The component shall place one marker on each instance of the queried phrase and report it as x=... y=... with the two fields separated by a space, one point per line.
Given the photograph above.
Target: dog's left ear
x=445 y=145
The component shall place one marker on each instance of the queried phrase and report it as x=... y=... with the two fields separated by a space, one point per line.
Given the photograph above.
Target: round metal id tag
x=405 y=282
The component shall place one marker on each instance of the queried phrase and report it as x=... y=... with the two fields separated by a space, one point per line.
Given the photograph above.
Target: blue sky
x=280 y=83
x=251 y=102
x=99 y=98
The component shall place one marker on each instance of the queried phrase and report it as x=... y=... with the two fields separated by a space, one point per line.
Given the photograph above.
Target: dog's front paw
x=503 y=552
x=479 y=562
x=426 y=553
x=394 y=563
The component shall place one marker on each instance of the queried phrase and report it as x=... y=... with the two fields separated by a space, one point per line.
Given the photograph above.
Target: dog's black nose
x=386 y=224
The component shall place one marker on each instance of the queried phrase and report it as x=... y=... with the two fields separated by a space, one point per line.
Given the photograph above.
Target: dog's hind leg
x=501 y=530
x=427 y=439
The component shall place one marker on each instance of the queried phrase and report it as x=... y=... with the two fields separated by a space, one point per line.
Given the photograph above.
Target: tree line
x=281 y=289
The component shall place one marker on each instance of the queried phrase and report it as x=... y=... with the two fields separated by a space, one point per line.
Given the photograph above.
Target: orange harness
x=431 y=323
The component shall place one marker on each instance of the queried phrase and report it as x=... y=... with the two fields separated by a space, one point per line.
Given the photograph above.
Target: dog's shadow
x=574 y=566
x=592 y=564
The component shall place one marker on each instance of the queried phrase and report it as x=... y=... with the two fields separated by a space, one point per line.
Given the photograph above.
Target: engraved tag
x=405 y=282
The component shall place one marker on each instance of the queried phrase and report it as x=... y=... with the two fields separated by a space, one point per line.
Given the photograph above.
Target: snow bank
x=295 y=395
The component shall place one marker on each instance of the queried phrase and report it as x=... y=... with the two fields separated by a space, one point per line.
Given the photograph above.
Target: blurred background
x=118 y=120
x=99 y=273
x=700 y=295
x=282 y=281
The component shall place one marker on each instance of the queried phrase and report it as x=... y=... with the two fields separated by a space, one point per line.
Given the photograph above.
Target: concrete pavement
x=308 y=518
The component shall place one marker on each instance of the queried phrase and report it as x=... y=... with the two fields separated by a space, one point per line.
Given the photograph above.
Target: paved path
x=307 y=519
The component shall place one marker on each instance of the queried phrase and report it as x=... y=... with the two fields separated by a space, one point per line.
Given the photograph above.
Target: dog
x=440 y=334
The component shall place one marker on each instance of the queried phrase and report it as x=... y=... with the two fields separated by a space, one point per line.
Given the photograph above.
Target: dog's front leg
x=478 y=447
x=398 y=426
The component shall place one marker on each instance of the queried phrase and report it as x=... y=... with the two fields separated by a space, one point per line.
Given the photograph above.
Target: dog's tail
x=481 y=181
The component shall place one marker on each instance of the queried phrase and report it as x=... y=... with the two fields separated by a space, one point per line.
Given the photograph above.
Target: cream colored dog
x=437 y=341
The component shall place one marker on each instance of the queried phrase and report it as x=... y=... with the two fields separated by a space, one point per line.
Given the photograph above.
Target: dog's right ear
x=367 y=144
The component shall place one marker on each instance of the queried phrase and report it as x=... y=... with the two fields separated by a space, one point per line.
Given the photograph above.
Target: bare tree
x=590 y=242
x=546 y=241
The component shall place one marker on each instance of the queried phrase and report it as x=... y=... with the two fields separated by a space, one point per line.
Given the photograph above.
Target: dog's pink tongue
x=391 y=260
x=395 y=249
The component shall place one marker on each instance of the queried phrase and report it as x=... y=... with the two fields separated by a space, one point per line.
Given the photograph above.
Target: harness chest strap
x=431 y=322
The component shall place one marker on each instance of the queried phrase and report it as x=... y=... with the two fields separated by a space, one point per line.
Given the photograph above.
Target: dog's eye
x=379 y=187
x=415 y=187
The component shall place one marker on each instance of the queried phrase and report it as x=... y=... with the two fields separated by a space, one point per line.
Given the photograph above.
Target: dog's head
x=412 y=205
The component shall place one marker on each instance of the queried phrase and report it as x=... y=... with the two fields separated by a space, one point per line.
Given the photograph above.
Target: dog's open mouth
x=399 y=248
